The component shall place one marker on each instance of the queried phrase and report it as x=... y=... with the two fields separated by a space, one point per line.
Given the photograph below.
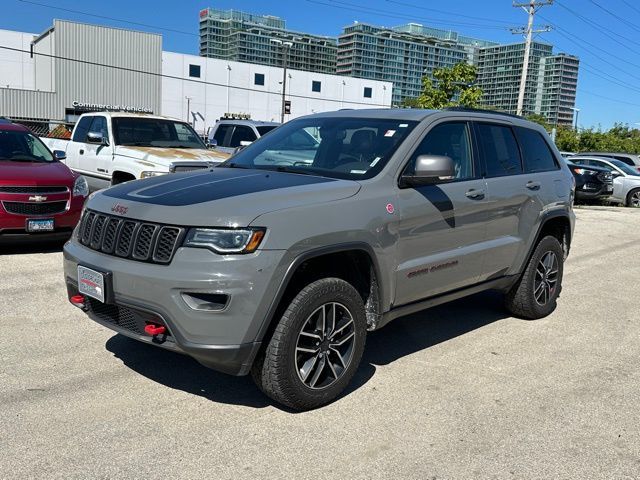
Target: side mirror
x=212 y=143
x=429 y=170
x=245 y=143
x=59 y=155
x=97 y=138
x=615 y=173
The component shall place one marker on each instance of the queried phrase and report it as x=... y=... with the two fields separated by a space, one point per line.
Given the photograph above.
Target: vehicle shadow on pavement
x=31 y=246
x=400 y=338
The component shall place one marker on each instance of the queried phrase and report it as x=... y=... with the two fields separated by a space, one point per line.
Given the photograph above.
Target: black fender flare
x=308 y=255
x=549 y=215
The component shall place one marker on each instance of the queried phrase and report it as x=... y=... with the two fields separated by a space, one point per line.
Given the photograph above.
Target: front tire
x=316 y=347
x=536 y=293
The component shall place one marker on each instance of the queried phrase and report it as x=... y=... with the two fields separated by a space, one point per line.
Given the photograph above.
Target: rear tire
x=316 y=347
x=633 y=198
x=536 y=293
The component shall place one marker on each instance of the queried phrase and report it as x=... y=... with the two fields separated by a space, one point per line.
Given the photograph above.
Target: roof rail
x=481 y=110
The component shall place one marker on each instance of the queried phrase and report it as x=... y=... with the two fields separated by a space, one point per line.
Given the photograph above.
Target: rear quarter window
x=499 y=149
x=536 y=152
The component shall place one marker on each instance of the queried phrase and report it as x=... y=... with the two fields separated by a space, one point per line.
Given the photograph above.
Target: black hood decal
x=180 y=189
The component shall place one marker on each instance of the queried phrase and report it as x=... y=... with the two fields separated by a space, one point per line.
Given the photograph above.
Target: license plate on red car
x=40 y=225
x=91 y=283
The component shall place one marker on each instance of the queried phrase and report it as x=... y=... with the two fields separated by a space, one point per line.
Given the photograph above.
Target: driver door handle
x=533 y=185
x=475 y=194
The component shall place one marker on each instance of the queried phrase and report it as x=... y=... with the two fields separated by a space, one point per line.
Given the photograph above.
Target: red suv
x=40 y=197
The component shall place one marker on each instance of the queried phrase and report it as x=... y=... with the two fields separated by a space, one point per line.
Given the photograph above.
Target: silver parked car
x=626 y=179
x=629 y=158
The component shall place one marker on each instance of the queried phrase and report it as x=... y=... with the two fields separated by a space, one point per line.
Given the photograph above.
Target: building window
x=316 y=86
x=258 y=79
x=368 y=92
x=194 y=71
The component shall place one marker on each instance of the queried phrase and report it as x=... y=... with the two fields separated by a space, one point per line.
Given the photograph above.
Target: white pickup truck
x=113 y=147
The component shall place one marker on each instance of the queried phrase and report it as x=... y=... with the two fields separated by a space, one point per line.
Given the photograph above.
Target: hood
x=224 y=197
x=159 y=156
x=35 y=173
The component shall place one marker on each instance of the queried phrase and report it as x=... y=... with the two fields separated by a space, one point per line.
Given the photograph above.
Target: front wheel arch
x=631 y=201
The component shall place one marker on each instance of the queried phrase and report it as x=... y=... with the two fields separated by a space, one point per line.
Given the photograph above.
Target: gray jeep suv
x=278 y=268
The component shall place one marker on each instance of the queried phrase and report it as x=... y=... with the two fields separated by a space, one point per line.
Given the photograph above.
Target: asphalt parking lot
x=460 y=391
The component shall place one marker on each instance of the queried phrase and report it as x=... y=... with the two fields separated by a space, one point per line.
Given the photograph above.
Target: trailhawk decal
x=432 y=269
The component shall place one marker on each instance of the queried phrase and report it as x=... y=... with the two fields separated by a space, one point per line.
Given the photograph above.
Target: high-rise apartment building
x=402 y=55
x=263 y=39
x=551 y=86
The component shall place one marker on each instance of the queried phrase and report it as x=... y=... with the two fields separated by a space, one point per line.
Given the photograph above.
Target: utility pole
x=531 y=8
x=285 y=53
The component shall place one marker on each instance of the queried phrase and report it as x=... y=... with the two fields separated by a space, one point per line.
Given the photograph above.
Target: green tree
x=540 y=120
x=450 y=87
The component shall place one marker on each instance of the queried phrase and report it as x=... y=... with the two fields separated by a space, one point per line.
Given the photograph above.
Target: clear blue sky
x=603 y=33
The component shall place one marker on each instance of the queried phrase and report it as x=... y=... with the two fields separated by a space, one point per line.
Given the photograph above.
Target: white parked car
x=626 y=179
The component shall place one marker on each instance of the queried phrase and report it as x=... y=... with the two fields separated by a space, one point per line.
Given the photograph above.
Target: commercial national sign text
x=118 y=108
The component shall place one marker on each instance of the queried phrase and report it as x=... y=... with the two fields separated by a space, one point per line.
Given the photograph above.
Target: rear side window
x=242 y=134
x=500 y=150
x=626 y=160
x=536 y=153
x=82 y=129
x=221 y=132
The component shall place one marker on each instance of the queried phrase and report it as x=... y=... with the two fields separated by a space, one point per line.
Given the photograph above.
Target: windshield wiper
x=287 y=169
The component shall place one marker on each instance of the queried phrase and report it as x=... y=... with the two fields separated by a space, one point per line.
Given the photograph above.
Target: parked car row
x=605 y=179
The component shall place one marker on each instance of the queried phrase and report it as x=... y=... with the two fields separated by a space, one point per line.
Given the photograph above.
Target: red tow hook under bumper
x=154 y=330
x=78 y=301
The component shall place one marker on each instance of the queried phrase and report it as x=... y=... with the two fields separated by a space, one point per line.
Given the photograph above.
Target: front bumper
x=137 y=292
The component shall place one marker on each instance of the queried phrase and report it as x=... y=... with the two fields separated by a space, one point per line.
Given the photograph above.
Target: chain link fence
x=47 y=128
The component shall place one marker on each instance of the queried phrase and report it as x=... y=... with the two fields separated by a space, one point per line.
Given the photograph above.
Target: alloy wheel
x=635 y=199
x=325 y=345
x=546 y=280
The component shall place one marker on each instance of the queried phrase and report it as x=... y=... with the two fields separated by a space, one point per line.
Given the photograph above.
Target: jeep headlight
x=80 y=187
x=151 y=173
x=225 y=240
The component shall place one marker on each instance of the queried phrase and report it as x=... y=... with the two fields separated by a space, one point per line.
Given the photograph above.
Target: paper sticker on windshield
x=389 y=133
x=359 y=172
x=403 y=125
x=375 y=160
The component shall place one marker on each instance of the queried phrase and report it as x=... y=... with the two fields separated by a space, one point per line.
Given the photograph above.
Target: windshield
x=265 y=129
x=338 y=147
x=154 y=132
x=21 y=146
x=625 y=168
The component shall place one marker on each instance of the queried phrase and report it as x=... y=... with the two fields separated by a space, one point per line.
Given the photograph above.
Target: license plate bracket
x=94 y=283
x=35 y=225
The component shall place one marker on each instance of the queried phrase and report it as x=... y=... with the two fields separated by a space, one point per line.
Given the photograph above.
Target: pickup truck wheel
x=535 y=294
x=316 y=347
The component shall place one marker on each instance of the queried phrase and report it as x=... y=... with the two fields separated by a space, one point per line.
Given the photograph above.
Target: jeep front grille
x=141 y=241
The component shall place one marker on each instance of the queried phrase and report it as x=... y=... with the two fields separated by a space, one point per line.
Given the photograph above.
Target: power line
x=605 y=32
x=376 y=11
x=104 y=17
x=444 y=12
x=173 y=77
x=614 y=15
x=609 y=98
x=631 y=6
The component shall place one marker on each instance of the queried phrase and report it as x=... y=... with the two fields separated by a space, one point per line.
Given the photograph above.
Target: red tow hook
x=78 y=301
x=154 y=330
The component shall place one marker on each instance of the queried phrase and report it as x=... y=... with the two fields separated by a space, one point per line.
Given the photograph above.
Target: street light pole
x=577 y=110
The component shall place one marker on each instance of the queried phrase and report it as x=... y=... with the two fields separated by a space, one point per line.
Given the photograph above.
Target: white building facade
x=213 y=87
